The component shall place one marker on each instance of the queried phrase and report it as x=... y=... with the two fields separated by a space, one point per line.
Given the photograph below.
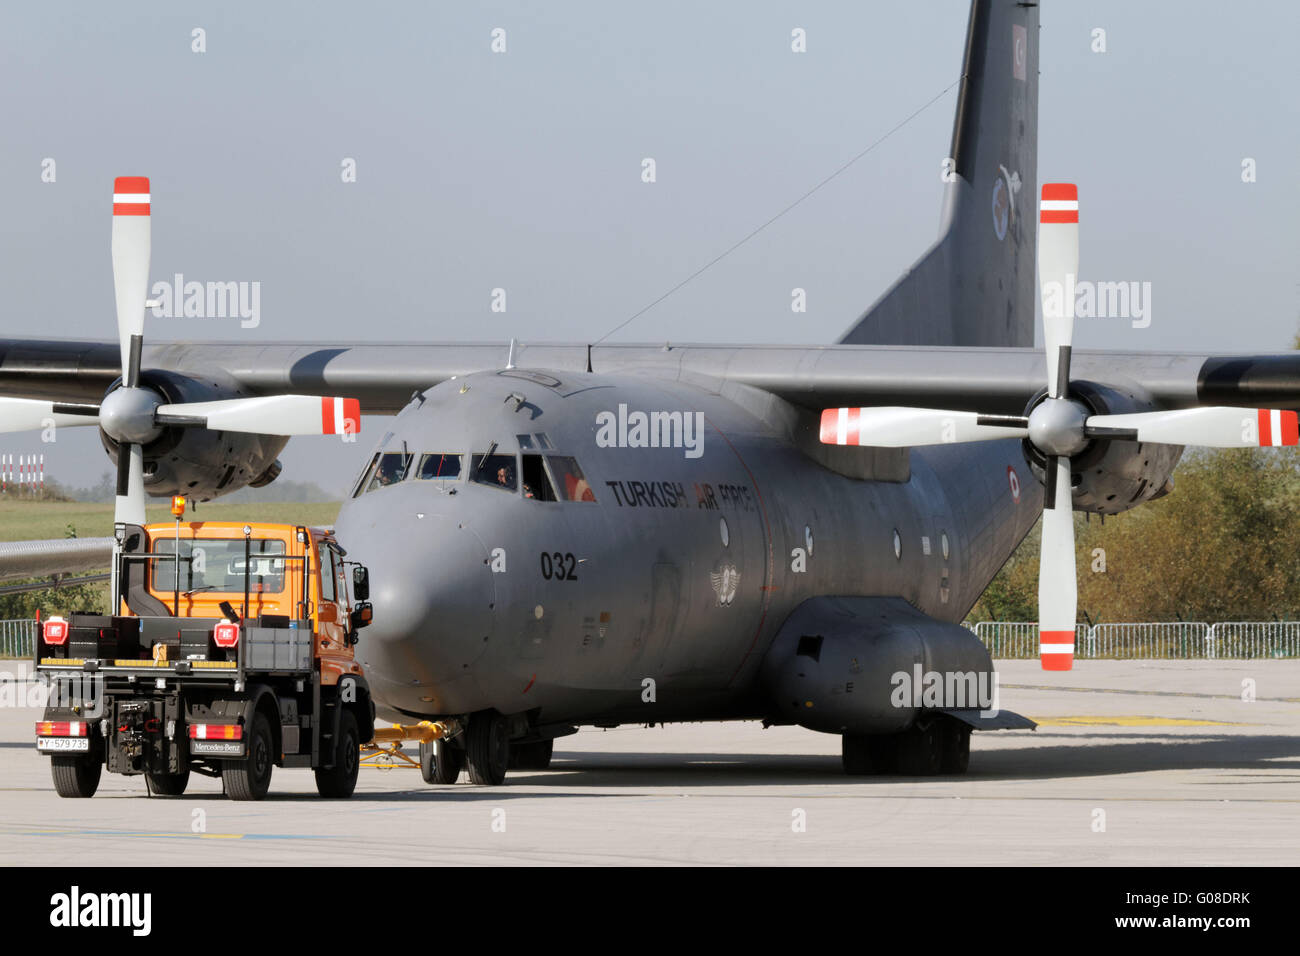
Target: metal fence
x=1176 y=640
x=1168 y=640
x=17 y=638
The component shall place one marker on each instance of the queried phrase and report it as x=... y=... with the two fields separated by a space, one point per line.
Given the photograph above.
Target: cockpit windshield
x=439 y=465
x=389 y=468
x=497 y=471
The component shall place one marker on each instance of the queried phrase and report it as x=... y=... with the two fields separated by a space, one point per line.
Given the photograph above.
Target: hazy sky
x=522 y=170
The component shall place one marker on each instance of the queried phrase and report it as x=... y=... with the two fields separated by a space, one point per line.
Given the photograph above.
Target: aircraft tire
x=855 y=754
x=441 y=761
x=534 y=756
x=920 y=748
x=487 y=748
x=955 y=756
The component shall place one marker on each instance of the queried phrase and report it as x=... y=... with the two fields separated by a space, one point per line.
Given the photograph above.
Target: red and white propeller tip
x=270 y=415
x=131 y=252
x=1058 y=271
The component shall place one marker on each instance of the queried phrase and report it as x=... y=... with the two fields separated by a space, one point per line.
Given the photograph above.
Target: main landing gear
x=933 y=745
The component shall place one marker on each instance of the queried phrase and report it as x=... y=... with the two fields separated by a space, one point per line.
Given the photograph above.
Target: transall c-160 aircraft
x=596 y=535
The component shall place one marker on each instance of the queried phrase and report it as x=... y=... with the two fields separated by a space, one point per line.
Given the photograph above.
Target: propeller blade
x=1058 y=270
x=128 y=507
x=905 y=427
x=25 y=414
x=269 y=415
x=131 y=250
x=1057 y=595
x=1211 y=427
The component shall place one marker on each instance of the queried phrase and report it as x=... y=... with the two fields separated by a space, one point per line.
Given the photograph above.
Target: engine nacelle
x=196 y=462
x=1111 y=475
x=852 y=665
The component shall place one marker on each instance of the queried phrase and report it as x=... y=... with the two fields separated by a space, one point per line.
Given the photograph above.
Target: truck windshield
x=217 y=565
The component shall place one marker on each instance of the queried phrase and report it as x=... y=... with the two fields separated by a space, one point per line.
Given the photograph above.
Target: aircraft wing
x=385 y=375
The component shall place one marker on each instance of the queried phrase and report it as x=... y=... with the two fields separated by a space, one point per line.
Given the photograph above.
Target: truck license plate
x=63 y=744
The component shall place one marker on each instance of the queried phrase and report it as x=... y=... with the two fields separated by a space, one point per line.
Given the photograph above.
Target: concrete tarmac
x=1135 y=762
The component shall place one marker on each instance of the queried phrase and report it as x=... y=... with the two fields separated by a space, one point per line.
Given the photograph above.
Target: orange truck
x=230 y=653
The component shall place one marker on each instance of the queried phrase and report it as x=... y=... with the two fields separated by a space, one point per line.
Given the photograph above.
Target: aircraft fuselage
x=679 y=573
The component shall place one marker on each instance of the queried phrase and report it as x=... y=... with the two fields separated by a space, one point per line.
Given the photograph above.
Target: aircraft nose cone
x=432 y=592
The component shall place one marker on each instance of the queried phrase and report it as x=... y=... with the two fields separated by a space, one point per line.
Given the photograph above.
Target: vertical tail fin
x=975 y=286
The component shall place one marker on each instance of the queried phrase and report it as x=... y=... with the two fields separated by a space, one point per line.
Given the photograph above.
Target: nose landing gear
x=487 y=748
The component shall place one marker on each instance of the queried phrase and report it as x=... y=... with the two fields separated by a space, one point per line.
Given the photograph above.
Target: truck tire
x=441 y=761
x=169 y=784
x=340 y=780
x=534 y=756
x=75 y=776
x=250 y=778
x=487 y=748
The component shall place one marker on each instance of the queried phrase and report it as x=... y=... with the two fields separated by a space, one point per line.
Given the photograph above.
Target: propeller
x=133 y=414
x=1059 y=427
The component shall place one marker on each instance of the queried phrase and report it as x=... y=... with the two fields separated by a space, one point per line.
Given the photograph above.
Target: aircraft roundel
x=1014 y=481
x=1001 y=207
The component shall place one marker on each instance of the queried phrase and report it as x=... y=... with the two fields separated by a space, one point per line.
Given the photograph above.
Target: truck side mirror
x=361 y=583
x=361 y=615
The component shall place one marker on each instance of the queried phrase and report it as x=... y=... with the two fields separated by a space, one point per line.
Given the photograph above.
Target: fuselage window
x=497 y=471
x=439 y=466
x=537 y=483
x=525 y=442
x=390 y=468
x=569 y=479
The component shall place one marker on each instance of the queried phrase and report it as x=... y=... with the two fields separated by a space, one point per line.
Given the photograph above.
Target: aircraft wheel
x=534 y=756
x=170 y=784
x=441 y=761
x=855 y=754
x=75 y=776
x=955 y=756
x=250 y=778
x=919 y=749
x=487 y=748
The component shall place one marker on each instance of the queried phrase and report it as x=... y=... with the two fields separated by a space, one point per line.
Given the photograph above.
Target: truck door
x=331 y=609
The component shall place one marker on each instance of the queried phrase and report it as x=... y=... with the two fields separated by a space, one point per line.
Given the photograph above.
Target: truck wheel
x=534 y=756
x=487 y=748
x=341 y=779
x=250 y=778
x=75 y=776
x=441 y=762
x=170 y=784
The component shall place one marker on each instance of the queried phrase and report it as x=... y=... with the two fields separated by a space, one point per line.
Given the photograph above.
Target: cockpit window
x=389 y=468
x=570 y=482
x=498 y=471
x=439 y=465
x=537 y=482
